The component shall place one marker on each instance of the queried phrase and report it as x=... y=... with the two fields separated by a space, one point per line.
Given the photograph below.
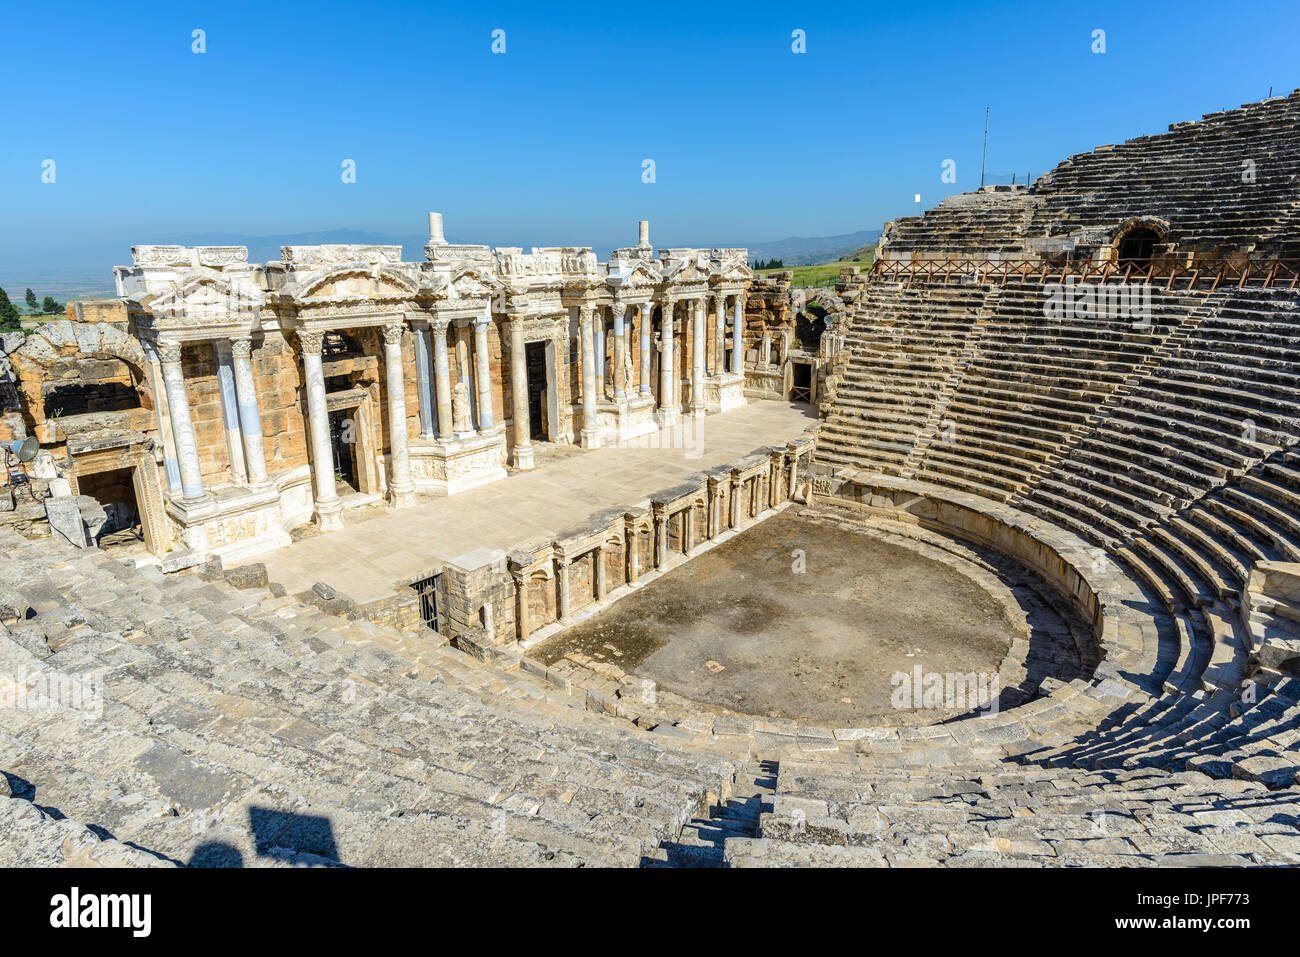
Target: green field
x=825 y=274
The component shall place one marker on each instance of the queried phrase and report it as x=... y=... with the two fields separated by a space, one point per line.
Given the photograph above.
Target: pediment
x=349 y=284
x=473 y=282
x=203 y=299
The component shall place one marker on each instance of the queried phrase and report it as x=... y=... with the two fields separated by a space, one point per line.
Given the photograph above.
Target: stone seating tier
x=240 y=726
x=1193 y=177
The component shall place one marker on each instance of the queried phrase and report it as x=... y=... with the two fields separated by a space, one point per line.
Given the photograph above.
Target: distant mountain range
x=85 y=270
x=813 y=250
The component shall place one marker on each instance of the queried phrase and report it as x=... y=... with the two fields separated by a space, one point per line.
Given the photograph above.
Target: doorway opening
x=343 y=444
x=1136 y=246
x=114 y=489
x=801 y=387
x=535 y=366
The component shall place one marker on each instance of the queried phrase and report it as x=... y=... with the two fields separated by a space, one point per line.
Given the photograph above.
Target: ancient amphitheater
x=559 y=615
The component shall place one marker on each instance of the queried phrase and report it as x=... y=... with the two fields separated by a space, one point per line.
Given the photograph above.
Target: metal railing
x=427 y=590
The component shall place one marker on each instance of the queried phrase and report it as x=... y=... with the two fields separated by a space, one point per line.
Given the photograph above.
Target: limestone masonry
x=219 y=646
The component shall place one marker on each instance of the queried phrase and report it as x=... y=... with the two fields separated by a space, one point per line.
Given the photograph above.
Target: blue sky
x=544 y=144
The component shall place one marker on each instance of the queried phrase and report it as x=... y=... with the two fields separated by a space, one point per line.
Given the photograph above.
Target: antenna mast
x=986 y=145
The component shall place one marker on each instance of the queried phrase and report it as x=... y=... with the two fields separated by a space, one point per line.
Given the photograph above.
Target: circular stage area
x=799 y=618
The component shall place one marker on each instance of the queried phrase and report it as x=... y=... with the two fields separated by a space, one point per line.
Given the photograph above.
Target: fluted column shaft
x=588 y=376
x=719 y=335
x=738 y=337
x=699 y=347
x=424 y=380
x=620 y=352
x=230 y=411
x=523 y=452
x=178 y=403
x=598 y=345
x=483 y=374
x=647 y=309
x=318 y=427
x=400 y=487
x=441 y=377
x=250 y=416
x=667 y=379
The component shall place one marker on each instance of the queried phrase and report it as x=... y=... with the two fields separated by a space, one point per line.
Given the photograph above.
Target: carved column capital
x=169 y=351
x=241 y=347
x=311 y=342
x=393 y=333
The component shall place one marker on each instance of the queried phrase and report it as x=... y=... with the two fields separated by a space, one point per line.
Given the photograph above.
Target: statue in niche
x=460 y=408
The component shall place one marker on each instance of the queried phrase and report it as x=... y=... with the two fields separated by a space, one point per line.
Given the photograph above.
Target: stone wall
x=280 y=384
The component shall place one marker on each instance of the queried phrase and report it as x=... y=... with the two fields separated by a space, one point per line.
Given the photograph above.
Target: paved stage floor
x=377 y=548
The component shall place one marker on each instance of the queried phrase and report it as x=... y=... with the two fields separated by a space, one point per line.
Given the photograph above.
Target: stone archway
x=65 y=340
x=1136 y=241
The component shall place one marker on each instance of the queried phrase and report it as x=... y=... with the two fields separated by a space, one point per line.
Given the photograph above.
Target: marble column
x=424 y=380
x=660 y=538
x=328 y=510
x=620 y=352
x=699 y=348
x=733 y=503
x=794 y=475
x=738 y=337
x=774 y=482
x=688 y=530
x=647 y=309
x=719 y=335
x=598 y=344
x=562 y=589
x=521 y=607
x=588 y=437
x=441 y=377
x=230 y=412
x=667 y=379
x=523 y=451
x=250 y=416
x=465 y=367
x=171 y=468
x=711 y=515
x=598 y=572
x=631 y=551
x=483 y=374
x=178 y=403
x=401 y=490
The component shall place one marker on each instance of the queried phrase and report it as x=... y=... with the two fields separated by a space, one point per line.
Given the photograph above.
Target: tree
x=49 y=306
x=8 y=313
x=31 y=301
